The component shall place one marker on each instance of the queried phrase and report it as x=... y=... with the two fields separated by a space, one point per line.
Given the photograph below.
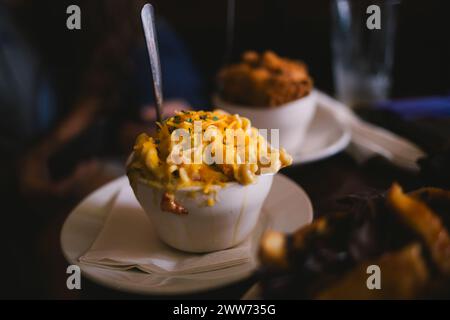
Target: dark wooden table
x=324 y=181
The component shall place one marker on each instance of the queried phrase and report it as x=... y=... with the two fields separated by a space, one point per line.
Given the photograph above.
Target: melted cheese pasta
x=206 y=154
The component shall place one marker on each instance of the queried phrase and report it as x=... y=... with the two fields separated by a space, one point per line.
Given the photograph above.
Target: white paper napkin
x=128 y=241
x=368 y=139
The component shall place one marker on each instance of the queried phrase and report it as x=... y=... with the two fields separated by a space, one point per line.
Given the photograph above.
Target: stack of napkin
x=128 y=240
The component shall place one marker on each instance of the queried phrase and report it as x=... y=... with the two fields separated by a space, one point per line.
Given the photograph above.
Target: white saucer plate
x=286 y=209
x=326 y=136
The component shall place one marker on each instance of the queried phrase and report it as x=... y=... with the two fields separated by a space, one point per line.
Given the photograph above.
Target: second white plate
x=325 y=137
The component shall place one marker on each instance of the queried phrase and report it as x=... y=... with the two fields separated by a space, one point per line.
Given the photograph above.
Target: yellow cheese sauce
x=206 y=155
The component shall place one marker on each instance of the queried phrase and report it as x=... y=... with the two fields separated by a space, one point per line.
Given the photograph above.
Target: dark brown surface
x=323 y=181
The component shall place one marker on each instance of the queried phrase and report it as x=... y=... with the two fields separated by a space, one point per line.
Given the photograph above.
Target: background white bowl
x=204 y=228
x=292 y=119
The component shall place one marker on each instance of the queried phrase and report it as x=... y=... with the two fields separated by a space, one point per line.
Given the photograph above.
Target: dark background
x=301 y=29
x=295 y=28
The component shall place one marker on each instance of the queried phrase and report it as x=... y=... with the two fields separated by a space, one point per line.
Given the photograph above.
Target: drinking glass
x=363 y=49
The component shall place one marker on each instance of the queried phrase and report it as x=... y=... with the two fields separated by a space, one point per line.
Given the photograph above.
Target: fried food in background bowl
x=275 y=92
x=202 y=206
x=264 y=80
x=403 y=235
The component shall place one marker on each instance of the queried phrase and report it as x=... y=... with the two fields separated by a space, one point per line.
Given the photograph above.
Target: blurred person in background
x=62 y=91
x=71 y=98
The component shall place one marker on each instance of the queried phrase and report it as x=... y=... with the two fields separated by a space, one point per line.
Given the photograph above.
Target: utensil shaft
x=148 y=22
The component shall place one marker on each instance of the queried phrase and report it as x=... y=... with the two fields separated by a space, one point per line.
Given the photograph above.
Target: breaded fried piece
x=436 y=199
x=429 y=194
x=264 y=80
x=273 y=250
x=403 y=274
x=420 y=218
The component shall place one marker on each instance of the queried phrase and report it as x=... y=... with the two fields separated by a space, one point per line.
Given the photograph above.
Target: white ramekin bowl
x=292 y=119
x=204 y=229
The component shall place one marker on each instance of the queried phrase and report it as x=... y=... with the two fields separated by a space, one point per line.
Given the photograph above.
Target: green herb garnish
x=176 y=119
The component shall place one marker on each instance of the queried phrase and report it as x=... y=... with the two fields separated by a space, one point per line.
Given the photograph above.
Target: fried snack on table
x=429 y=194
x=406 y=235
x=264 y=80
x=426 y=223
x=403 y=274
x=436 y=199
x=273 y=247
